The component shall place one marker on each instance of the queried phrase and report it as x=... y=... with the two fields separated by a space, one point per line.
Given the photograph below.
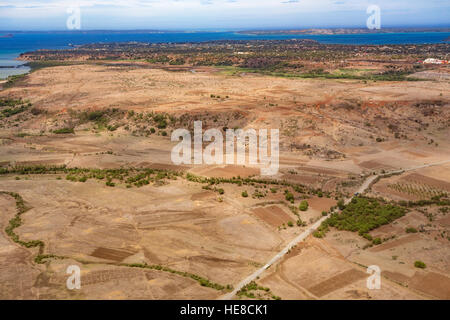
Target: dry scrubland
x=170 y=234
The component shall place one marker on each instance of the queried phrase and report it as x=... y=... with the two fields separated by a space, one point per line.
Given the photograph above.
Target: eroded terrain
x=175 y=234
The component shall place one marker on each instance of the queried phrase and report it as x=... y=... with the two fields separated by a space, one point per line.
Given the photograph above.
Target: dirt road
x=310 y=230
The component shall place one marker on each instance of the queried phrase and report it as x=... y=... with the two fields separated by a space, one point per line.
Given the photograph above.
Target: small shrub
x=304 y=205
x=411 y=230
x=419 y=264
x=376 y=241
x=319 y=234
x=367 y=236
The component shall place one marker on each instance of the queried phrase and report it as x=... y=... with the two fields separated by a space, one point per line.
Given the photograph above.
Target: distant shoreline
x=25 y=42
x=293 y=31
x=341 y=31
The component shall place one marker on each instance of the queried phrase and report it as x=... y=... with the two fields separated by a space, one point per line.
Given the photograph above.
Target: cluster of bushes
x=99 y=115
x=248 y=291
x=8 y=102
x=40 y=258
x=289 y=196
x=131 y=176
x=159 y=120
x=362 y=215
x=101 y=118
x=136 y=177
x=444 y=209
x=219 y=190
x=251 y=181
x=10 y=107
x=261 y=183
x=141 y=177
x=258 y=194
x=109 y=183
x=39 y=169
x=437 y=200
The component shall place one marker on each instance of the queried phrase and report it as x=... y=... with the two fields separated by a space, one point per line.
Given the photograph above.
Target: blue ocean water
x=11 y=47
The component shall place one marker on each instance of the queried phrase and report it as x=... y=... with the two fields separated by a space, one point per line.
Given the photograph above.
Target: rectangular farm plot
x=336 y=282
x=111 y=254
x=427 y=181
x=273 y=215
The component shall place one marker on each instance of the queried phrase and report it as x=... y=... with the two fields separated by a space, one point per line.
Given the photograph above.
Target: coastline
x=22 y=42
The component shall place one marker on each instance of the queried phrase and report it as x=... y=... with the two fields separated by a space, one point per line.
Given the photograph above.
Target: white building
x=435 y=61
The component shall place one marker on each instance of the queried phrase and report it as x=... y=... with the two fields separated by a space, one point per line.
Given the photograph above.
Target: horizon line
x=187 y=30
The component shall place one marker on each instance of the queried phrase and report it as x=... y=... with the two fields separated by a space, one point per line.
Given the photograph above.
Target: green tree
x=289 y=197
x=341 y=204
x=304 y=205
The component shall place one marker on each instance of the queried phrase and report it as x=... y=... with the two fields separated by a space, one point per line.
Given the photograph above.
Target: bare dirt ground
x=161 y=225
x=328 y=130
x=317 y=270
x=318 y=119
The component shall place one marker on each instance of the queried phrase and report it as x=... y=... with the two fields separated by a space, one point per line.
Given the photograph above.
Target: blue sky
x=219 y=14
